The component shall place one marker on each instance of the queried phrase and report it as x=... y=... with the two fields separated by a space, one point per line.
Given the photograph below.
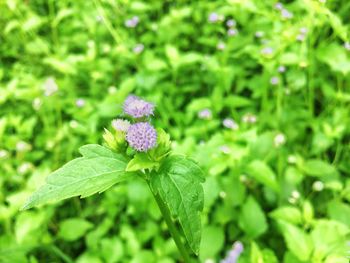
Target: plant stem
x=171 y=226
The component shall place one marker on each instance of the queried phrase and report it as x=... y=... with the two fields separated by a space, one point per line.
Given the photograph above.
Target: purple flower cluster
x=132 y=22
x=234 y=253
x=137 y=107
x=141 y=136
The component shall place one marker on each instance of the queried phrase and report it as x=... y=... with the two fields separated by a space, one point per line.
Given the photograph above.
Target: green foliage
x=298 y=191
x=178 y=182
x=96 y=171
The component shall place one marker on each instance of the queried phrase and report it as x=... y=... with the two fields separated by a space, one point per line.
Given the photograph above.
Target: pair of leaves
x=96 y=171
x=178 y=182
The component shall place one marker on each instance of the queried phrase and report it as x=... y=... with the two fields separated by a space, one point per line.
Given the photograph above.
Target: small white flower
x=295 y=194
x=318 y=186
x=279 y=139
x=50 y=87
x=22 y=146
x=274 y=81
x=205 y=114
x=259 y=34
x=138 y=48
x=37 y=102
x=292 y=159
x=24 y=168
x=222 y=194
x=74 y=124
x=281 y=69
x=3 y=154
x=347 y=46
x=231 y=23
x=249 y=118
x=112 y=90
x=230 y=124
x=225 y=149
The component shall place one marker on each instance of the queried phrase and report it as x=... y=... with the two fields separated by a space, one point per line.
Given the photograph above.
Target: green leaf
x=96 y=171
x=256 y=255
x=140 y=161
x=263 y=174
x=298 y=242
x=290 y=214
x=318 y=168
x=74 y=228
x=252 y=219
x=212 y=242
x=178 y=182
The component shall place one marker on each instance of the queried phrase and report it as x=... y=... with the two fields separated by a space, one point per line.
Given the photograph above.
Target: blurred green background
x=256 y=91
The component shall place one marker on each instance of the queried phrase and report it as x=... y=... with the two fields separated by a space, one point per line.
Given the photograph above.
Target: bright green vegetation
x=280 y=183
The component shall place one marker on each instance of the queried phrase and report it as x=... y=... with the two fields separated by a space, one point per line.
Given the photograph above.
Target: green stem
x=171 y=226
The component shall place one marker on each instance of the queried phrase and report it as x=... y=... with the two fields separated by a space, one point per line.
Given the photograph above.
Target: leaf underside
x=178 y=182
x=96 y=171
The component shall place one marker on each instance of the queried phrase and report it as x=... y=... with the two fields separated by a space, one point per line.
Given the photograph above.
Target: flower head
x=232 y=32
x=231 y=23
x=347 y=46
x=133 y=22
x=80 y=103
x=138 y=48
x=279 y=139
x=205 y=114
x=259 y=34
x=274 y=80
x=281 y=69
x=213 y=17
x=50 y=87
x=267 y=51
x=141 y=136
x=234 y=253
x=121 y=125
x=286 y=14
x=221 y=45
x=137 y=107
x=230 y=124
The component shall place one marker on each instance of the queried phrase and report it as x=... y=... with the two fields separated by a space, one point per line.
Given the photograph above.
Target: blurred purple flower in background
x=141 y=136
x=50 y=87
x=213 y=17
x=80 y=103
x=234 y=253
x=230 y=124
x=133 y=22
x=286 y=14
x=225 y=149
x=232 y=32
x=279 y=6
x=221 y=46
x=267 y=51
x=137 y=107
x=138 y=48
x=231 y=23
x=281 y=69
x=205 y=114
x=120 y=125
x=274 y=80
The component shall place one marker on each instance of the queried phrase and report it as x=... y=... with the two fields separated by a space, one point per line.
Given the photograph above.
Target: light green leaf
x=256 y=255
x=252 y=219
x=140 y=161
x=73 y=228
x=298 y=242
x=178 y=182
x=315 y=167
x=287 y=213
x=96 y=171
x=263 y=174
x=212 y=242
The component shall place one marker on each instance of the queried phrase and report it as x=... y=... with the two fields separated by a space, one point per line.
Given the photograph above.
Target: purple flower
x=133 y=22
x=138 y=48
x=213 y=17
x=230 y=124
x=279 y=6
x=141 y=136
x=281 y=69
x=234 y=253
x=137 y=108
x=221 y=46
x=121 y=125
x=267 y=51
x=80 y=103
x=231 y=23
x=286 y=14
x=300 y=37
x=232 y=32
x=205 y=114
x=274 y=80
